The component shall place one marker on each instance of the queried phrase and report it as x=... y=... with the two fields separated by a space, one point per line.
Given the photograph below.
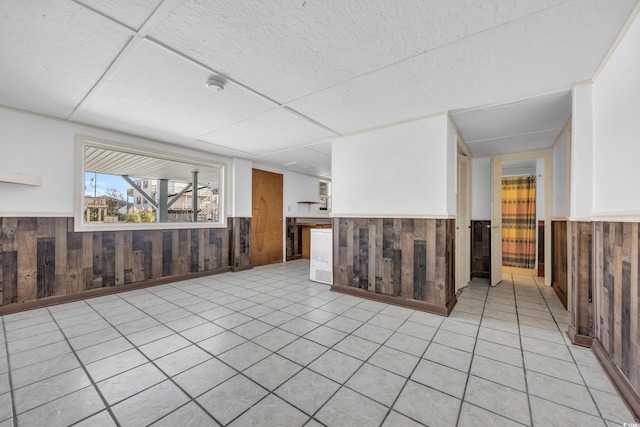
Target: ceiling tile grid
x=160 y=90
x=132 y=13
x=301 y=72
x=52 y=53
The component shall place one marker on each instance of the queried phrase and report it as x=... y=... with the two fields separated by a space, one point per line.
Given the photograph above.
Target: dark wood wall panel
x=582 y=318
x=408 y=259
x=481 y=249
x=240 y=238
x=617 y=304
x=541 y=254
x=44 y=257
x=559 y=278
x=294 y=239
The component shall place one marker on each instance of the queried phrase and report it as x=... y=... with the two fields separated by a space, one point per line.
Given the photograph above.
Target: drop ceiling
x=300 y=73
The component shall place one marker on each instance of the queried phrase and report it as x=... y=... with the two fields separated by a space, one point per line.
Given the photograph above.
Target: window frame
x=83 y=141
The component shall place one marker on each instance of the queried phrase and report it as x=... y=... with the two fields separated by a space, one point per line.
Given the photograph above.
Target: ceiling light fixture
x=216 y=84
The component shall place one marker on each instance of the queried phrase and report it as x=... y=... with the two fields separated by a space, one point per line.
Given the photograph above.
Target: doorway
x=497 y=162
x=519 y=212
x=267 y=221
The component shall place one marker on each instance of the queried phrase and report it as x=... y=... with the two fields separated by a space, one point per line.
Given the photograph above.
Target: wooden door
x=481 y=249
x=266 y=227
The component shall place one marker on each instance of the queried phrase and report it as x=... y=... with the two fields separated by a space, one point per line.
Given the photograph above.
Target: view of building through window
x=112 y=198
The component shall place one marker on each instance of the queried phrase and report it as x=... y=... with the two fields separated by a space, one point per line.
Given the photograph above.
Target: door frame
x=496 y=206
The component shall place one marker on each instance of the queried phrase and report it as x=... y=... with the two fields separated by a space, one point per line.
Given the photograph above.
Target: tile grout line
x=190 y=399
x=14 y=415
x=473 y=353
x=272 y=392
x=524 y=364
x=86 y=372
x=215 y=357
x=408 y=378
x=575 y=363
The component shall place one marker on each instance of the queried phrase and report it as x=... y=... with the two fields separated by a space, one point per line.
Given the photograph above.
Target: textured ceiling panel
x=301 y=156
x=274 y=130
x=286 y=49
x=52 y=53
x=322 y=147
x=132 y=13
x=513 y=144
x=544 y=53
x=157 y=91
x=500 y=121
x=322 y=170
x=346 y=65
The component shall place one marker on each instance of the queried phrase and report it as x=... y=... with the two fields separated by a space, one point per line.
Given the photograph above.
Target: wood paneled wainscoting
x=409 y=262
x=559 y=276
x=481 y=249
x=43 y=261
x=582 y=319
x=240 y=238
x=616 y=257
x=294 y=239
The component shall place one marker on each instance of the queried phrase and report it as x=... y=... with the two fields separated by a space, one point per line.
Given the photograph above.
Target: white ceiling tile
x=287 y=49
x=52 y=53
x=345 y=65
x=132 y=13
x=155 y=90
x=543 y=53
x=271 y=131
x=521 y=117
x=301 y=156
x=321 y=147
x=528 y=142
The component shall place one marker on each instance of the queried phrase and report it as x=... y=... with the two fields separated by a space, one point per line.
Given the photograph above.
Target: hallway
x=268 y=347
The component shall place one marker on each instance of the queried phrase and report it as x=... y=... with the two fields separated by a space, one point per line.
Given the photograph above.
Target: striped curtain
x=519 y=221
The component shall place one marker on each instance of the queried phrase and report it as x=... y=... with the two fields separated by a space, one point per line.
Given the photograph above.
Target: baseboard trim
x=577 y=339
x=401 y=302
x=92 y=293
x=630 y=397
x=241 y=268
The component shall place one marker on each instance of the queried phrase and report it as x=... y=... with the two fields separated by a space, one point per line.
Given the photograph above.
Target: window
x=325 y=195
x=163 y=186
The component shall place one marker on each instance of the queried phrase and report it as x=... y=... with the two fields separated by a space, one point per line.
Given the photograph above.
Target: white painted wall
x=452 y=167
x=241 y=188
x=35 y=145
x=616 y=136
x=298 y=188
x=581 y=193
x=481 y=189
x=559 y=170
x=399 y=170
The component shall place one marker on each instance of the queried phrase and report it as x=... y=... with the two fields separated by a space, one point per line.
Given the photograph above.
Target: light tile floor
x=268 y=347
